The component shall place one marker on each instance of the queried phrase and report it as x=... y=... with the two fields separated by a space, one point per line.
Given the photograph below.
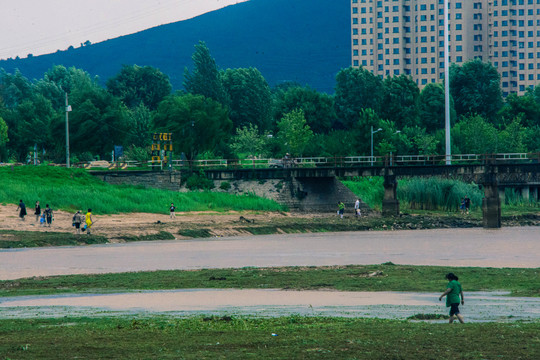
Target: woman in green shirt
x=452 y=293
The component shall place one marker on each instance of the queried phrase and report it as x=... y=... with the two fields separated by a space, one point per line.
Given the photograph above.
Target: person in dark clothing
x=48 y=215
x=467 y=204
x=22 y=210
x=37 y=211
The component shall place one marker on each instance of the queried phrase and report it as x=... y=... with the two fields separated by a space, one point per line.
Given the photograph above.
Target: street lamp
x=373 y=132
x=448 y=151
x=68 y=109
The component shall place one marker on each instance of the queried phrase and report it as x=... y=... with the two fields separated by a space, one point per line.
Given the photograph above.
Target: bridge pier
x=390 y=204
x=502 y=195
x=491 y=203
x=525 y=193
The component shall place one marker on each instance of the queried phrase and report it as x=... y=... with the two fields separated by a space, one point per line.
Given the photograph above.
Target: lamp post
x=68 y=109
x=373 y=132
x=447 y=85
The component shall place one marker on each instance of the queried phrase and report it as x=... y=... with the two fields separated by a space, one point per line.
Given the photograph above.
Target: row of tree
x=235 y=113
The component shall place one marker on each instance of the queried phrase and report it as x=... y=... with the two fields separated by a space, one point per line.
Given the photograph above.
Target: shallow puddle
x=479 y=306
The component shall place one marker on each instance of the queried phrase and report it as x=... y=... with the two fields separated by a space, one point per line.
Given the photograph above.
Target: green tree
x=532 y=139
x=337 y=143
x=248 y=141
x=14 y=88
x=4 y=139
x=475 y=88
x=250 y=99
x=511 y=138
x=294 y=132
x=139 y=124
x=527 y=107
x=318 y=107
x=400 y=101
x=98 y=120
x=136 y=85
x=356 y=89
x=198 y=124
x=474 y=135
x=431 y=107
x=422 y=142
x=366 y=119
x=205 y=79
x=35 y=117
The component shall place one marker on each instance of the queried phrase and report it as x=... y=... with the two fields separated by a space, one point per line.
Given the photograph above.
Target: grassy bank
x=248 y=338
x=385 y=277
x=72 y=189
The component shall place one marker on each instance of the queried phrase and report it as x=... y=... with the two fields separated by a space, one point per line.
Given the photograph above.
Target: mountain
x=307 y=41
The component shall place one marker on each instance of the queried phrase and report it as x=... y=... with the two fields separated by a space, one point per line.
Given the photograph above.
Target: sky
x=43 y=26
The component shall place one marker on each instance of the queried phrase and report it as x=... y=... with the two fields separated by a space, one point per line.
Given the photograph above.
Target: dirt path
x=479 y=306
x=118 y=225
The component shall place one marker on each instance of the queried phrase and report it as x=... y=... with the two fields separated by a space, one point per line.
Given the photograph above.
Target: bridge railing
x=312 y=162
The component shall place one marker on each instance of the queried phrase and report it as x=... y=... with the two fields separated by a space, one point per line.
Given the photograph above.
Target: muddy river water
x=506 y=247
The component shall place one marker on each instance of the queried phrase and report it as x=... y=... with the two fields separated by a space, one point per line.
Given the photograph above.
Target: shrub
x=225 y=186
x=199 y=182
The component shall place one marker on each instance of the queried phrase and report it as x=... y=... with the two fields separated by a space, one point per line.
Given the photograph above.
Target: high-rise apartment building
x=394 y=37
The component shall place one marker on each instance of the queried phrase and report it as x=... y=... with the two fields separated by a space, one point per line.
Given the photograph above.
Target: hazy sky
x=44 y=26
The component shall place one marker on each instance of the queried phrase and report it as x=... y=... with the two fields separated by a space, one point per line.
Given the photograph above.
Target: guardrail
x=308 y=162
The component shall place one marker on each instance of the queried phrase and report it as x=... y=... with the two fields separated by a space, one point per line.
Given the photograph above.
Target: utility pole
x=447 y=85
x=68 y=109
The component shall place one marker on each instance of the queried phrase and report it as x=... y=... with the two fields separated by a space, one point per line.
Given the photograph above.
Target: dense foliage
x=235 y=113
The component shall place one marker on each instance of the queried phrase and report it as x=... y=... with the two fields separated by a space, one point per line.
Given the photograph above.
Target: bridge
x=311 y=183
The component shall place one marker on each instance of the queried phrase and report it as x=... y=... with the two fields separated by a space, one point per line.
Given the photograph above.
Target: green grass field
x=290 y=337
x=388 y=277
x=73 y=189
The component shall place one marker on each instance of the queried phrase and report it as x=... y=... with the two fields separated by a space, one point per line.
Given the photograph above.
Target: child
x=89 y=221
x=462 y=206
x=341 y=209
x=171 y=211
x=42 y=220
x=452 y=293
x=37 y=211
x=48 y=215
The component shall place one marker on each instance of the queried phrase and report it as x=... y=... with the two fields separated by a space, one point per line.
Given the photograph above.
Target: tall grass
x=369 y=189
x=437 y=194
x=418 y=193
x=72 y=189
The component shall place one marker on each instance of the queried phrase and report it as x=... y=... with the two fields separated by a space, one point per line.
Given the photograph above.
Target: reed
x=418 y=193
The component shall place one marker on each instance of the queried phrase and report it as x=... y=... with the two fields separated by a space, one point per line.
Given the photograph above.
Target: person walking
x=357 y=211
x=22 y=210
x=48 y=215
x=77 y=220
x=341 y=208
x=88 y=221
x=37 y=211
x=467 y=204
x=462 y=206
x=452 y=293
x=171 y=211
